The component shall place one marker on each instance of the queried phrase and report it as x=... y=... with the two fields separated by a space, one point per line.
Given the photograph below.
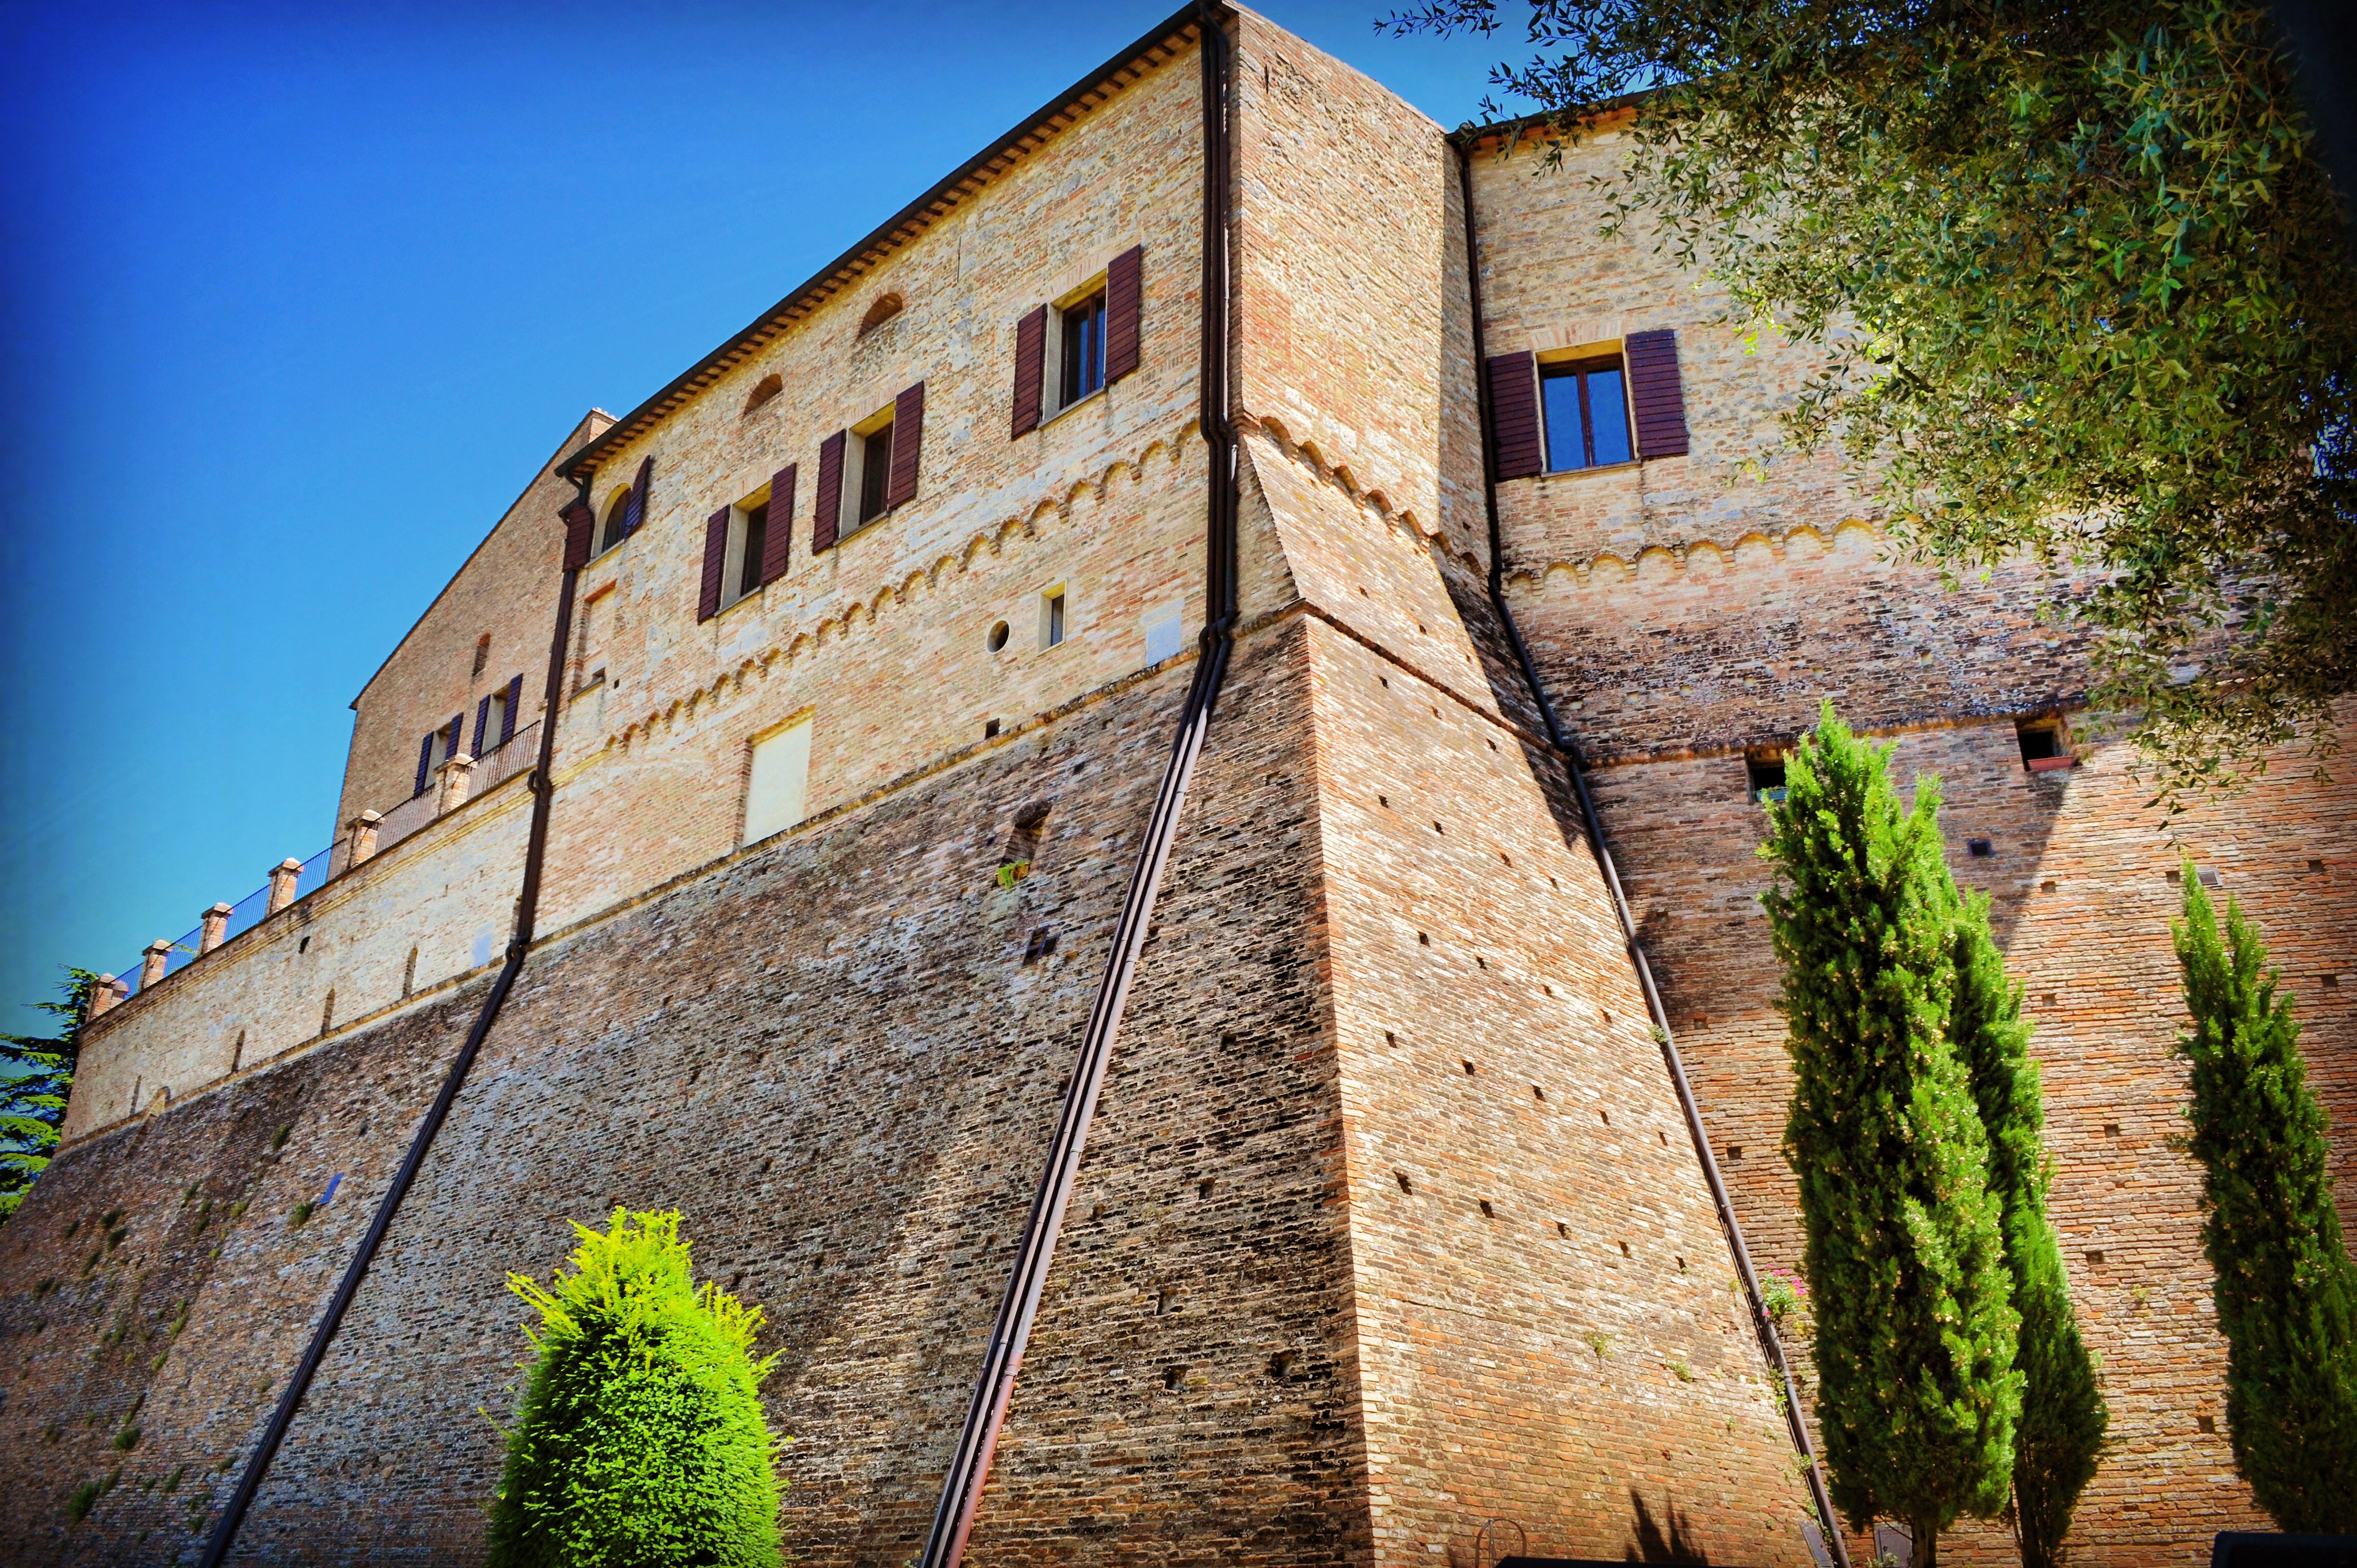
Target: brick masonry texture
x=1389 y=1224
x=1685 y=609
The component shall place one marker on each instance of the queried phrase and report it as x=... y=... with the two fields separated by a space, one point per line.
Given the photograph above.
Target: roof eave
x=585 y=459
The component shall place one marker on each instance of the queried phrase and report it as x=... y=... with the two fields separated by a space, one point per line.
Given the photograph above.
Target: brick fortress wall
x=1688 y=607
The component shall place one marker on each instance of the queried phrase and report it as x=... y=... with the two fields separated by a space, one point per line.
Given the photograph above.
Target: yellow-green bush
x=640 y=1442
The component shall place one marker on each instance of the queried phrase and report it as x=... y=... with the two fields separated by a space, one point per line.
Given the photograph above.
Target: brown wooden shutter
x=1030 y=368
x=778 y=540
x=908 y=439
x=482 y=724
x=716 y=556
x=1125 y=301
x=424 y=763
x=636 y=513
x=1514 y=415
x=1656 y=394
x=580 y=523
x=507 y=718
x=827 y=504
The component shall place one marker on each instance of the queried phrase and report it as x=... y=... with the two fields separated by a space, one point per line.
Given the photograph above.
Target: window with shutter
x=640 y=496
x=749 y=548
x=424 y=763
x=1586 y=413
x=1030 y=369
x=580 y=526
x=778 y=538
x=874 y=472
x=617 y=513
x=1656 y=394
x=908 y=443
x=828 y=505
x=1082 y=371
x=715 y=558
x=1124 y=307
x=454 y=737
x=507 y=710
x=483 y=720
x=1514 y=415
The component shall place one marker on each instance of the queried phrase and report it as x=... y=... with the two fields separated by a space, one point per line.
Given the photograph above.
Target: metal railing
x=503 y=762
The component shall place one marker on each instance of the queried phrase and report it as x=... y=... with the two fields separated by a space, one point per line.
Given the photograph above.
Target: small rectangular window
x=779 y=793
x=1054 y=626
x=874 y=471
x=1587 y=411
x=1083 y=340
x=753 y=535
x=1765 y=777
x=2045 y=745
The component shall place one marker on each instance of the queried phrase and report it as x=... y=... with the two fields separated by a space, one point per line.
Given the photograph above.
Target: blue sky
x=299 y=295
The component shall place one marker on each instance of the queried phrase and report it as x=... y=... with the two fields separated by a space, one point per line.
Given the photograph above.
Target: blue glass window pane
x=1608 y=414
x=1565 y=449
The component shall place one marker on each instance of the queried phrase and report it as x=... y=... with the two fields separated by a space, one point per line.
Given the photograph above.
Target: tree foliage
x=1917 y=1390
x=640 y=1442
x=36 y=1075
x=2080 y=286
x=2286 y=1291
x=2060 y=1436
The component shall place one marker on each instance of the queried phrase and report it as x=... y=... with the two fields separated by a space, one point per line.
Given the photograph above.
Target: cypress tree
x=640 y=1442
x=2063 y=1416
x=2286 y=1293
x=1917 y=1391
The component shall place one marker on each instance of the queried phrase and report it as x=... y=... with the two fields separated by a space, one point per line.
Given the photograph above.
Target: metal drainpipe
x=543 y=790
x=1770 y=1343
x=978 y=1437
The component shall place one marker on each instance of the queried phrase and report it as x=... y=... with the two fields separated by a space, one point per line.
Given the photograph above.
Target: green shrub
x=641 y=1440
x=2286 y=1291
x=1916 y=1333
x=2063 y=1416
x=85 y=1497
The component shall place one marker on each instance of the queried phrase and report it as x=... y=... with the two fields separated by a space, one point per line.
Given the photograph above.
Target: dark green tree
x=2080 y=286
x=640 y=1442
x=36 y=1075
x=2060 y=1434
x=2286 y=1291
x=1917 y=1391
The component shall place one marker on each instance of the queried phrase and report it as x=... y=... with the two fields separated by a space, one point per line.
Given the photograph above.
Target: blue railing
x=243 y=916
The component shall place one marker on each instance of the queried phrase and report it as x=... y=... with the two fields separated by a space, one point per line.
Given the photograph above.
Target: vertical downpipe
x=543 y=793
x=1019 y=1308
x=1772 y=1344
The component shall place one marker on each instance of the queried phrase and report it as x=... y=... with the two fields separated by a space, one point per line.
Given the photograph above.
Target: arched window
x=770 y=386
x=883 y=310
x=616 y=511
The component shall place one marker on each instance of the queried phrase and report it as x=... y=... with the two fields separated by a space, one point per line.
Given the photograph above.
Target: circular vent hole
x=998 y=636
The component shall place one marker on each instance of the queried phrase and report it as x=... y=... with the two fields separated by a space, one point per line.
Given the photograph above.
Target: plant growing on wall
x=2286 y=1292
x=2060 y=1434
x=36 y=1075
x=2079 y=283
x=1917 y=1390
x=641 y=1440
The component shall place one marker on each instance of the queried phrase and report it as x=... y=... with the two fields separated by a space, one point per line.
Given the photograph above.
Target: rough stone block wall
x=417 y=920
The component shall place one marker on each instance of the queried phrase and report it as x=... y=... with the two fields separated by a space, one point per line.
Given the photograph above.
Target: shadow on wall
x=1649 y=1543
